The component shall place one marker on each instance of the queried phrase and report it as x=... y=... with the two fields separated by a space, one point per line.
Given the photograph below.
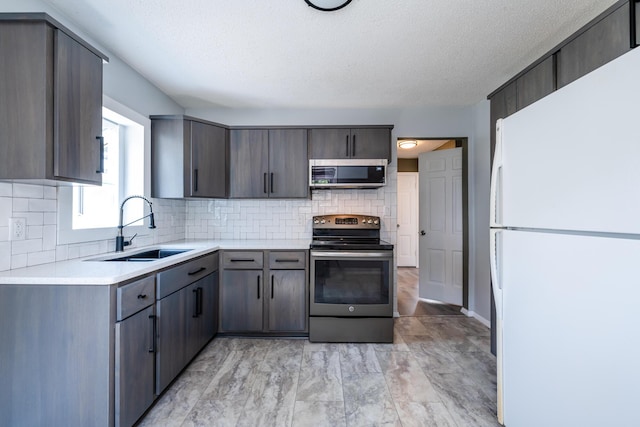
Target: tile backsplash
x=38 y=205
x=289 y=219
x=179 y=219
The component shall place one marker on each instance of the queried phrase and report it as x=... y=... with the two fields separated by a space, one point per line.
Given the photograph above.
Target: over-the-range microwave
x=347 y=173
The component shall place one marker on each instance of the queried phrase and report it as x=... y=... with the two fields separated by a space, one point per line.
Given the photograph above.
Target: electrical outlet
x=18 y=228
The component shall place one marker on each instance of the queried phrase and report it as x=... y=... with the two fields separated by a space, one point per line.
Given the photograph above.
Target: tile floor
x=438 y=372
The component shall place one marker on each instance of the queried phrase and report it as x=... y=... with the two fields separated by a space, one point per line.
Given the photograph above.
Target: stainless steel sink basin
x=151 y=255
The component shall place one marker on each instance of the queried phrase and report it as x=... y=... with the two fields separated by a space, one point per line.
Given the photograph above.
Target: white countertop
x=93 y=271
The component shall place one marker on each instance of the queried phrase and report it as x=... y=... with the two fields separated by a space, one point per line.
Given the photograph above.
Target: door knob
x=422 y=233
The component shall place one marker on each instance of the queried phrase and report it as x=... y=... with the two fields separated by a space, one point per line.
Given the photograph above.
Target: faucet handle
x=127 y=243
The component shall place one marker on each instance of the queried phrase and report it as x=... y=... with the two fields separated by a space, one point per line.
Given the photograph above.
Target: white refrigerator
x=565 y=254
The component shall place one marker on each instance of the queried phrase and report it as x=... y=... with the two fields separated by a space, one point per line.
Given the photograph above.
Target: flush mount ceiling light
x=327 y=5
x=408 y=144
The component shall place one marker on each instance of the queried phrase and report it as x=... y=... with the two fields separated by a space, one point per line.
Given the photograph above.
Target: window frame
x=65 y=232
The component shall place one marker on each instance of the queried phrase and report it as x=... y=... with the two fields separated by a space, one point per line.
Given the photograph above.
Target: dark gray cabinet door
x=287 y=301
x=503 y=104
x=355 y=143
x=241 y=297
x=172 y=338
x=288 y=165
x=602 y=42
x=249 y=163
x=371 y=143
x=329 y=143
x=134 y=350
x=210 y=292
x=536 y=83
x=208 y=161
x=77 y=111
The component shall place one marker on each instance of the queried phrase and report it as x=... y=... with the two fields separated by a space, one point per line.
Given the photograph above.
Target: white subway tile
x=6 y=189
x=4 y=233
x=62 y=253
x=6 y=210
x=28 y=191
x=5 y=256
x=50 y=192
x=50 y=218
x=18 y=261
x=34 y=232
x=41 y=205
x=20 y=205
x=38 y=258
x=49 y=237
x=26 y=246
x=33 y=218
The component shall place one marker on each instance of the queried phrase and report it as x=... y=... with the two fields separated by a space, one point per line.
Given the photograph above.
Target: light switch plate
x=17 y=228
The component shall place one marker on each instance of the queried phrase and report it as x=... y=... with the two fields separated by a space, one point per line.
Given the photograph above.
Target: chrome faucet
x=120 y=242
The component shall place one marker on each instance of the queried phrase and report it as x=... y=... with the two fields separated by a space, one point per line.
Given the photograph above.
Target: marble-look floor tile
x=214 y=413
x=397 y=345
x=271 y=401
x=321 y=346
x=367 y=401
x=460 y=392
x=320 y=377
x=284 y=355
x=431 y=355
x=409 y=326
x=178 y=400
x=209 y=360
x=358 y=358
x=405 y=378
x=416 y=414
x=234 y=378
x=319 y=414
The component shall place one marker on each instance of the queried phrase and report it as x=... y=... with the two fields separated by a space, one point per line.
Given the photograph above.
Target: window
x=87 y=212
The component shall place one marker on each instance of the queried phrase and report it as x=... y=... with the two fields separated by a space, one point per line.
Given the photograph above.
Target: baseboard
x=475 y=315
x=396 y=314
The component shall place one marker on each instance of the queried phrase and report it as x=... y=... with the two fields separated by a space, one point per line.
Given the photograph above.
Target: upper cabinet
x=50 y=102
x=350 y=143
x=269 y=163
x=602 y=42
x=189 y=158
x=611 y=34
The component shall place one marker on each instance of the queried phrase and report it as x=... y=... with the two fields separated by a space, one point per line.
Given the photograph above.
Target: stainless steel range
x=351 y=298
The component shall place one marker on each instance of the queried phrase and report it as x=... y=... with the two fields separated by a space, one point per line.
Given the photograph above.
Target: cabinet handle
x=200 y=300
x=195 y=305
x=193 y=273
x=195 y=180
x=272 y=286
x=271 y=182
x=286 y=260
x=152 y=346
x=347 y=145
x=142 y=296
x=633 y=23
x=264 y=182
x=241 y=260
x=353 y=147
x=101 y=161
x=258 y=287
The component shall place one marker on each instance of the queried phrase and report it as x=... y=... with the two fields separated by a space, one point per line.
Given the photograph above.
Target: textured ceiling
x=371 y=54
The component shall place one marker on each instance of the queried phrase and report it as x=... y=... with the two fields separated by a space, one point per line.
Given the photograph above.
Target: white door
x=407 y=240
x=441 y=225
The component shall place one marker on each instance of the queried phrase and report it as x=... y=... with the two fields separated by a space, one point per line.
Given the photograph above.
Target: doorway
x=409 y=302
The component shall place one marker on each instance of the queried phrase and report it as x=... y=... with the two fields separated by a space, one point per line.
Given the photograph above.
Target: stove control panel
x=349 y=221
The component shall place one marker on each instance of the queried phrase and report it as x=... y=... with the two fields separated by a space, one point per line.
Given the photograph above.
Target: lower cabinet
x=264 y=297
x=135 y=355
x=187 y=318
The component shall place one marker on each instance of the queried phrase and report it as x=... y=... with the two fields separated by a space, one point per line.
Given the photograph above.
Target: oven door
x=351 y=283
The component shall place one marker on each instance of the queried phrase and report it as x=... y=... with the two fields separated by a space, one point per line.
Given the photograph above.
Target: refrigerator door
x=571 y=345
x=570 y=161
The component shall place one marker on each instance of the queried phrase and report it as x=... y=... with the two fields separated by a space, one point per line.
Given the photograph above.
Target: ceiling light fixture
x=327 y=5
x=408 y=144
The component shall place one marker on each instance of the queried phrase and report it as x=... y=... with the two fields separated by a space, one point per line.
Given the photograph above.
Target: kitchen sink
x=151 y=255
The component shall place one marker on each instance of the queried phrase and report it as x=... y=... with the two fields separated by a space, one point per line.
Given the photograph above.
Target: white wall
x=39 y=204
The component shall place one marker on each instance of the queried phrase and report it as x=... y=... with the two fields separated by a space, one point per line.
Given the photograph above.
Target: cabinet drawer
x=135 y=296
x=242 y=260
x=294 y=260
x=178 y=277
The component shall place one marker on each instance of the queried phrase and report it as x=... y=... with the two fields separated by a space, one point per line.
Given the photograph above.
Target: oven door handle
x=351 y=254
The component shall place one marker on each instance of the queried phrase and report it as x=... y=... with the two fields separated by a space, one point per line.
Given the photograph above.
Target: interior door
x=441 y=225
x=407 y=246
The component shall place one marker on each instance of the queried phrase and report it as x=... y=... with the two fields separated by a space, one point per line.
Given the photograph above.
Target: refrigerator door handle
x=496 y=283
x=496 y=180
